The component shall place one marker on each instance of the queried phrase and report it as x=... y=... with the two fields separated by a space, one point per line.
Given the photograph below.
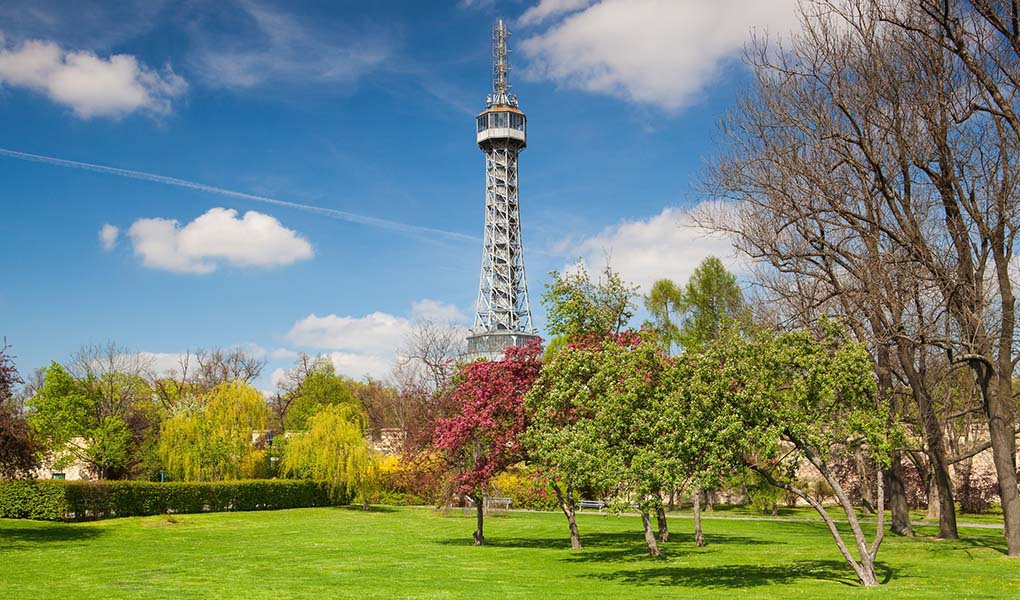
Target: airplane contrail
x=342 y=215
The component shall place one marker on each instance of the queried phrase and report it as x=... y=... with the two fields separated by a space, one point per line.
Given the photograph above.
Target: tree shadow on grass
x=372 y=508
x=739 y=576
x=20 y=538
x=995 y=542
x=607 y=547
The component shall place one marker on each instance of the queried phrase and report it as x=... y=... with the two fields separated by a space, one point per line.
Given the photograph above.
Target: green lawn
x=418 y=553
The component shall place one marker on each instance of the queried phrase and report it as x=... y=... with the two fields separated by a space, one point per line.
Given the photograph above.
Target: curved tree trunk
x=567 y=506
x=864 y=565
x=646 y=521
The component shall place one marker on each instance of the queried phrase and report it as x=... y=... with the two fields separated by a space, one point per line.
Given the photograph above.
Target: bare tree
x=430 y=353
x=222 y=366
x=112 y=375
x=871 y=170
x=973 y=126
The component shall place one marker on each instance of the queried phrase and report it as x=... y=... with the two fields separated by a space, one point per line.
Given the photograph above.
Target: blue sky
x=363 y=109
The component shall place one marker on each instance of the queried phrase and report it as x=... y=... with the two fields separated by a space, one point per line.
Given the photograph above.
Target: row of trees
x=611 y=409
x=107 y=411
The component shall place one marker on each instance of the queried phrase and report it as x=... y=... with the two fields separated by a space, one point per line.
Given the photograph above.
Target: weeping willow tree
x=334 y=449
x=213 y=441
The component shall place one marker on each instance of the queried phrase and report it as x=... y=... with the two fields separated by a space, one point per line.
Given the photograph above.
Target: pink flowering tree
x=482 y=437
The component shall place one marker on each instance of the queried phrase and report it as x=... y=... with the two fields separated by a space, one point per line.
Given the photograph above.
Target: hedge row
x=52 y=500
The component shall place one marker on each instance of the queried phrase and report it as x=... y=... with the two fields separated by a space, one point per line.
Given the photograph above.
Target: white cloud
x=547 y=9
x=660 y=52
x=161 y=363
x=667 y=245
x=377 y=332
x=91 y=85
x=437 y=312
x=368 y=345
x=283 y=353
x=216 y=237
x=275 y=46
x=108 y=236
x=359 y=366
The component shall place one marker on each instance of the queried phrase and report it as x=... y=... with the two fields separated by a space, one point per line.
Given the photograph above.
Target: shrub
x=527 y=488
x=976 y=492
x=411 y=480
x=81 y=500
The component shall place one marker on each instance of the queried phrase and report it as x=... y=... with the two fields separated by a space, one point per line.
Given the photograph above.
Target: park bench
x=497 y=503
x=583 y=504
x=491 y=502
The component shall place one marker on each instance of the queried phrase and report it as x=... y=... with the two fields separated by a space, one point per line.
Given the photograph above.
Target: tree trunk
x=864 y=566
x=1002 y=436
x=660 y=519
x=867 y=493
x=898 y=498
x=480 y=516
x=933 y=511
x=934 y=439
x=699 y=538
x=567 y=506
x=653 y=547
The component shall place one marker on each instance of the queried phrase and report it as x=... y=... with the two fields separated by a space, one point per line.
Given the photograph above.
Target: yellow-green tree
x=213 y=441
x=334 y=449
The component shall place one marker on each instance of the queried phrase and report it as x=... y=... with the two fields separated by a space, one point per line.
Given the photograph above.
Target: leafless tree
x=875 y=179
x=111 y=374
x=222 y=366
x=430 y=353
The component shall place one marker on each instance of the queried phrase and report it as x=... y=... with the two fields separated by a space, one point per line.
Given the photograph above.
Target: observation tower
x=502 y=312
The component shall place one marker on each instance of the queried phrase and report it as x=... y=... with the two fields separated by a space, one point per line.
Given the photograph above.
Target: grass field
x=418 y=553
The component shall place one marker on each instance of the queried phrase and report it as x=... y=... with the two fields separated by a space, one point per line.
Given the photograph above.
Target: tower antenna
x=501 y=67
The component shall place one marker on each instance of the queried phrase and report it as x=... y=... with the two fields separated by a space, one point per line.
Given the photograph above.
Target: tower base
x=490 y=345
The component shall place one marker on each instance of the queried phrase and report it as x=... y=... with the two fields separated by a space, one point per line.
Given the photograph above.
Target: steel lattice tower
x=503 y=312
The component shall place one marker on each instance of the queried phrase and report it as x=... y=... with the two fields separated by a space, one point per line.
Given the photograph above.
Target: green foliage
x=88 y=419
x=80 y=500
x=213 y=441
x=61 y=410
x=564 y=436
x=711 y=301
x=334 y=449
x=110 y=444
x=664 y=302
x=321 y=387
x=33 y=499
x=577 y=306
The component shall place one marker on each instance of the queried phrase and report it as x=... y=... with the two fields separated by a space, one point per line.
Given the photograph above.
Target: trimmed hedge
x=52 y=500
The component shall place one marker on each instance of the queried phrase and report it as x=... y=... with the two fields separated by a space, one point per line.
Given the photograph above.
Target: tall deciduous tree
x=876 y=165
x=711 y=303
x=311 y=387
x=482 y=437
x=77 y=422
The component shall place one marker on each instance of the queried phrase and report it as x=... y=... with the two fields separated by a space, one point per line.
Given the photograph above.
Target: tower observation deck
x=503 y=311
